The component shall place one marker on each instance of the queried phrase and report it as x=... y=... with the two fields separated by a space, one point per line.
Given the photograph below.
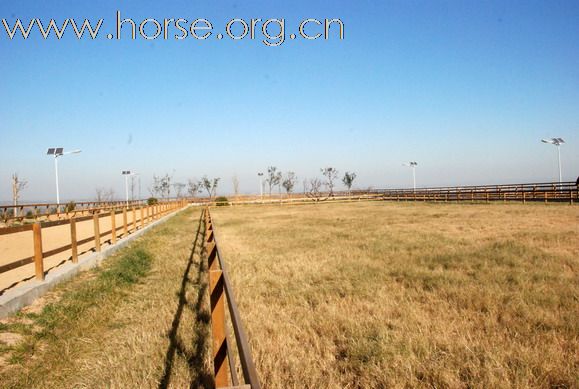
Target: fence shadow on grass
x=196 y=357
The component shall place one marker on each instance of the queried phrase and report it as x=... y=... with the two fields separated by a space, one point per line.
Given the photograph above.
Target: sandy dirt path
x=20 y=245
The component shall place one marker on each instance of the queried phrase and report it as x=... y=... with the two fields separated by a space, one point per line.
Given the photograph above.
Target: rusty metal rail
x=221 y=294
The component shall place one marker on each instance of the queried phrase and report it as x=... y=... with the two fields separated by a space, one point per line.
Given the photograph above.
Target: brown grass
x=375 y=295
x=139 y=322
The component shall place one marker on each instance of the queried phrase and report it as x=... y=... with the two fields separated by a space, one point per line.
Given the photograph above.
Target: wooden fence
x=22 y=213
x=134 y=217
x=550 y=192
x=534 y=192
x=221 y=295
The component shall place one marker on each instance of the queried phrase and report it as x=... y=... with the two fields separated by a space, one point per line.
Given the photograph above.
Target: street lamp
x=412 y=164
x=126 y=173
x=260 y=185
x=557 y=142
x=58 y=152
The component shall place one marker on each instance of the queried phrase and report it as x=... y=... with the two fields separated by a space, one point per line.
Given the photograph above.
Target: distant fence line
x=134 y=217
x=545 y=192
x=532 y=192
x=537 y=192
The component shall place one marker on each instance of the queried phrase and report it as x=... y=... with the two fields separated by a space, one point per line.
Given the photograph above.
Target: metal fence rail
x=221 y=294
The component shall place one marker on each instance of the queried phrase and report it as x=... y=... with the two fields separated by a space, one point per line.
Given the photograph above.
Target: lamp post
x=126 y=173
x=556 y=142
x=412 y=164
x=260 y=185
x=58 y=152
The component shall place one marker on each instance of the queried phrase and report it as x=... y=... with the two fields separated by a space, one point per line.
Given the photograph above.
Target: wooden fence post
x=73 y=245
x=97 y=233
x=113 y=227
x=134 y=219
x=142 y=219
x=125 y=231
x=38 y=260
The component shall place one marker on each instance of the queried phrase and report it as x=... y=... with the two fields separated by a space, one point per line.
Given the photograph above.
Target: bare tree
x=18 y=186
x=179 y=186
x=235 y=185
x=289 y=182
x=314 y=190
x=348 y=180
x=331 y=175
x=194 y=187
x=274 y=178
x=210 y=185
x=103 y=194
x=161 y=186
x=132 y=187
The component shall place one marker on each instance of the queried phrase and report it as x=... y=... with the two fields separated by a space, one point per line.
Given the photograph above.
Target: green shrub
x=69 y=207
x=152 y=201
x=221 y=201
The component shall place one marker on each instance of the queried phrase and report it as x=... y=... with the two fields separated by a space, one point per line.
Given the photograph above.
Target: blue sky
x=466 y=88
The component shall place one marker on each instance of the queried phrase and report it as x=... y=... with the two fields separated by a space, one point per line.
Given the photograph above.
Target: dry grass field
x=376 y=295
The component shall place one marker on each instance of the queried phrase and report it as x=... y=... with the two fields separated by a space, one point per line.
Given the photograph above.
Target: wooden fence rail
x=551 y=192
x=221 y=295
x=532 y=192
x=128 y=226
x=10 y=214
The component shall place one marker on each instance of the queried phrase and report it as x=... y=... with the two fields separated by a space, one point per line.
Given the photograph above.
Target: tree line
x=311 y=187
x=163 y=186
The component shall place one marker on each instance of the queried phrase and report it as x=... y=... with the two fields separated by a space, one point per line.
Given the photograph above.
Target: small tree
x=274 y=178
x=210 y=185
x=331 y=175
x=132 y=186
x=314 y=188
x=348 y=180
x=194 y=187
x=103 y=194
x=289 y=182
x=161 y=186
x=235 y=181
x=18 y=186
x=179 y=186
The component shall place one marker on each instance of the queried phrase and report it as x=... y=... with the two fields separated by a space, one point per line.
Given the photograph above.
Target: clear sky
x=466 y=88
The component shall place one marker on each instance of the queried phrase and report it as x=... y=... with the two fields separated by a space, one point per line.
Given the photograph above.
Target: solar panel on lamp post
x=412 y=164
x=58 y=152
x=556 y=142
